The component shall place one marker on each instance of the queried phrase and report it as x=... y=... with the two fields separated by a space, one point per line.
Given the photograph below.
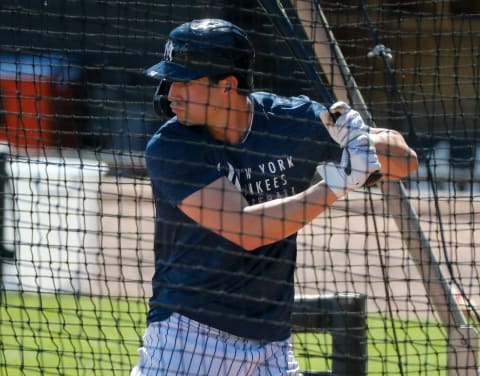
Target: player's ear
x=229 y=83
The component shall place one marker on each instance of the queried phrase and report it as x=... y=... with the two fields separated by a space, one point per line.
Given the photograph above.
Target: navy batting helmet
x=206 y=48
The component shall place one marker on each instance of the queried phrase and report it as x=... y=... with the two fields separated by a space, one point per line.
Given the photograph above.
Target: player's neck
x=234 y=123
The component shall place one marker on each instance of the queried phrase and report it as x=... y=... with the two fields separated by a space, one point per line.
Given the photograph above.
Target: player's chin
x=186 y=122
x=181 y=115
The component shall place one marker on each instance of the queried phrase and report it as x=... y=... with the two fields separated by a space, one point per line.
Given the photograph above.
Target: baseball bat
x=399 y=205
x=282 y=24
x=284 y=27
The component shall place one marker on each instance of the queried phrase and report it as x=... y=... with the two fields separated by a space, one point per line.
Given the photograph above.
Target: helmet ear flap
x=161 y=104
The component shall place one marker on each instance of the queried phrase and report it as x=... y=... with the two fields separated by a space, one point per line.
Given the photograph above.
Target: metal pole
x=408 y=223
x=344 y=317
x=5 y=254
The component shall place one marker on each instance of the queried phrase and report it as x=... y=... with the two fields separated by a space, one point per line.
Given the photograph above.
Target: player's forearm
x=277 y=219
x=221 y=208
x=396 y=157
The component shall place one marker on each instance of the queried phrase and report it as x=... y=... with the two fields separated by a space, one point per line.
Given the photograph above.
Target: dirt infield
x=347 y=249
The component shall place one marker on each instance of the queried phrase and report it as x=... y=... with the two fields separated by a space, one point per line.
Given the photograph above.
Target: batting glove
x=359 y=160
x=348 y=125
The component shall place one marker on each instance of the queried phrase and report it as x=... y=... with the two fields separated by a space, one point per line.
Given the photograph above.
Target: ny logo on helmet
x=168 y=55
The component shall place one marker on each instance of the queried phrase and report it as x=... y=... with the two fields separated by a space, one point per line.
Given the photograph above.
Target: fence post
x=344 y=316
x=5 y=253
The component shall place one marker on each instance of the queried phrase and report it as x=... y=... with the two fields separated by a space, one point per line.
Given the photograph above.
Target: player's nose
x=175 y=92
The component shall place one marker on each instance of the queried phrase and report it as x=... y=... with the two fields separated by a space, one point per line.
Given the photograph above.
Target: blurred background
x=89 y=57
x=75 y=202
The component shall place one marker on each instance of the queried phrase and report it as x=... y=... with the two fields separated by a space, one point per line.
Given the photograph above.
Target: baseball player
x=231 y=174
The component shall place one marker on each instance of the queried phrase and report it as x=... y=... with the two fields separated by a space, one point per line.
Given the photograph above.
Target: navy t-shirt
x=202 y=275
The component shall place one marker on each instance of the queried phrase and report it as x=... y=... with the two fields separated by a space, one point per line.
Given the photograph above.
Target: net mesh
x=77 y=210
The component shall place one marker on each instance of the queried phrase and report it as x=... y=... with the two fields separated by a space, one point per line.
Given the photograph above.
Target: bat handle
x=374 y=178
x=334 y=115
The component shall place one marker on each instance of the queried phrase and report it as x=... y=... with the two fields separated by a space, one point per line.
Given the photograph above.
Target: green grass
x=77 y=335
x=411 y=348
x=68 y=335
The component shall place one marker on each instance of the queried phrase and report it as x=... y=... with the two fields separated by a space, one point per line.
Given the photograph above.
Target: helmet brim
x=175 y=72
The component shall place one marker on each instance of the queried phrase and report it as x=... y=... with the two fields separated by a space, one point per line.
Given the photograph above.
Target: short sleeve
x=179 y=162
x=331 y=150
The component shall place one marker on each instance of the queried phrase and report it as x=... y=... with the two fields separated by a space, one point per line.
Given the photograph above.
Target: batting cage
x=128 y=201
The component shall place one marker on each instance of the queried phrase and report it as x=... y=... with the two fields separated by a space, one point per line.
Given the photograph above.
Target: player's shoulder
x=276 y=104
x=172 y=128
x=174 y=135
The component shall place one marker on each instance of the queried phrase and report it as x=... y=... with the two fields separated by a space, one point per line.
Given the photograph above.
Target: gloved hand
x=347 y=127
x=359 y=158
x=359 y=161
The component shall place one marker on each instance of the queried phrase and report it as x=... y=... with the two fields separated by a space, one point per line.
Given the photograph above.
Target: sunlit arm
x=398 y=160
x=221 y=208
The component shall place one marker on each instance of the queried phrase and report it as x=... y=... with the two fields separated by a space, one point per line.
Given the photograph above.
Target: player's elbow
x=412 y=163
x=251 y=243
x=406 y=161
x=398 y=167
x=259 y=237
x=250 y=247
x=247 y=240
x=397 y=158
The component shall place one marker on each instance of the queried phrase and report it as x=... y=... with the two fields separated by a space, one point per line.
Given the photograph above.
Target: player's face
x=193 y=101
